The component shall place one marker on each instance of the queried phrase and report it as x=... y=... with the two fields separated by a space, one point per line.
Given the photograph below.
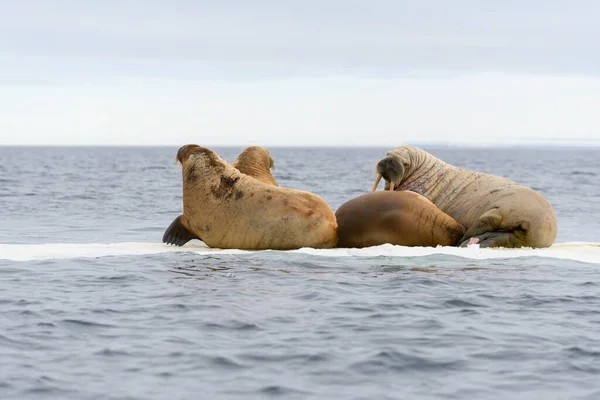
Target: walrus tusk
x=376 y=182
x=391 y=186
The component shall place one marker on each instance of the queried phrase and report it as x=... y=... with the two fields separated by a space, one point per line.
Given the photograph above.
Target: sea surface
x=94 y=306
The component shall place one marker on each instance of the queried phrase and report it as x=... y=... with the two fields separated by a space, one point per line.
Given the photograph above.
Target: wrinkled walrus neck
x=426 y=175
x=412 y=157
x=259 y=172
x=198 y=170
x=256 y=162
x=204 y=197
x=433 y=180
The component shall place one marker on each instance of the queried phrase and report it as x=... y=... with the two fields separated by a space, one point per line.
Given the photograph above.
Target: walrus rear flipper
x=495 y=239
x=177 y=234
x=489 y=232
x=488 y=222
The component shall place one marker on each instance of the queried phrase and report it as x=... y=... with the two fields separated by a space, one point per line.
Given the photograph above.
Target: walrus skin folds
x=495 y=211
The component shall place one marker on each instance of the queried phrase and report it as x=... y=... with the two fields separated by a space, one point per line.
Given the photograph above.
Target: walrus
x=496 y=211
x=256 y=162
x=231 y=210
x=402 y=218
x=253 y=161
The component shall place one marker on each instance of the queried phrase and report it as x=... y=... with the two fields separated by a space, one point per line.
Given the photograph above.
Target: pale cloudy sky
x=328 y=72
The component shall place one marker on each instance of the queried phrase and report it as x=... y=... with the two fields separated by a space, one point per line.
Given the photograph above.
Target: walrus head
x=256 y=162
x=194 y=158
x=255 y=155
x=392 y=170
x=185 y=151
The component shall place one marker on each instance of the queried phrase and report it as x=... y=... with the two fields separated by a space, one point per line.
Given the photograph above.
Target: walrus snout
x=392 y=170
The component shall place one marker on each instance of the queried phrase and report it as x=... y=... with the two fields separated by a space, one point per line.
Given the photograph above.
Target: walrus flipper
x=495 y=239
x=488 y=232
x=177 y=234
x=487 y=223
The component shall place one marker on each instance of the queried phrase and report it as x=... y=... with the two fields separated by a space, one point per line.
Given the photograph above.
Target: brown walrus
x=397 y=217
x=256 y=162
x=496 y=211
x=228 y=209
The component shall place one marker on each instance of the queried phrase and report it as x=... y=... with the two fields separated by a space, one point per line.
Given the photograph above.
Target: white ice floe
x=577 y=251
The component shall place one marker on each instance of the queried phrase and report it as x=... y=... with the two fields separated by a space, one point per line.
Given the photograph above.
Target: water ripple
x=397 y=361
x=277 y=390
x=458 y=303
x=85 y=324
x=226 y=362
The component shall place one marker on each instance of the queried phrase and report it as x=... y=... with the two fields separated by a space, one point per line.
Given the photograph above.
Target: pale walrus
x=397 y=217
x=253 y=161
x=496 y=211
x=256 y=162
x=228 y=209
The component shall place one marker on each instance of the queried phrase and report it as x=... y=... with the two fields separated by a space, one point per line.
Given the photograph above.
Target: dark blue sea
x=94 y=306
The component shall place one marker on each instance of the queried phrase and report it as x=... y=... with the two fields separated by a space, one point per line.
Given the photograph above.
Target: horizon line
x=572 y=144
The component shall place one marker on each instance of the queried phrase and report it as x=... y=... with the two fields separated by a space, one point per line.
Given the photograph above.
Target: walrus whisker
x=376 y=182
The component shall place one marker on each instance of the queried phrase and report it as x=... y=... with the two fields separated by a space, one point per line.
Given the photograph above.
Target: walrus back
x=243 y=213
x=400 y=218
x=291 y=218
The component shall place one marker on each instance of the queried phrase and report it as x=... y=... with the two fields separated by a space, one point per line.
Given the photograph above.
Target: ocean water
x=93 y=306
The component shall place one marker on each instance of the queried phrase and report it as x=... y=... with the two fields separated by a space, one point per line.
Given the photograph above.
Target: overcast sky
x=348 y=72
